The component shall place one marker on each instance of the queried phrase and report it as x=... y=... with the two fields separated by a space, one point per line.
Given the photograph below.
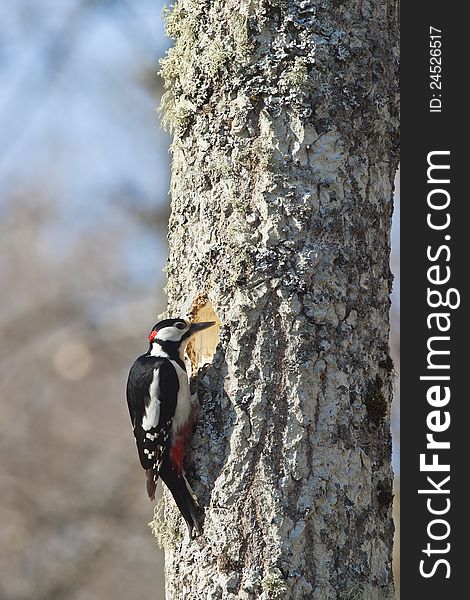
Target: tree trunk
x=284 y=123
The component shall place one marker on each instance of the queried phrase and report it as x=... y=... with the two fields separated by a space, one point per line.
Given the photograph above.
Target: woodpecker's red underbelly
x=177 y=450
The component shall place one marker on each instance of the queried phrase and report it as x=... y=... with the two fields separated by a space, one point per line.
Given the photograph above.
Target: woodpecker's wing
x=152 y=390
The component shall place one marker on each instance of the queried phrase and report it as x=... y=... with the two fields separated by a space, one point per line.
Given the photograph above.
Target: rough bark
x=284 y=123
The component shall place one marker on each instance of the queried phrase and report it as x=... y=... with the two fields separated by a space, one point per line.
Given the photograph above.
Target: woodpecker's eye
x=180 y=325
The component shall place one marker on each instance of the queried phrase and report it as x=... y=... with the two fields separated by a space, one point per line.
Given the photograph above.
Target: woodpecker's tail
x=152 y=478
x=183 y=495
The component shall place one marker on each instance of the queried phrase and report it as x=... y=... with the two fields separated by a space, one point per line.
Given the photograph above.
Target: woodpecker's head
x=175 y=332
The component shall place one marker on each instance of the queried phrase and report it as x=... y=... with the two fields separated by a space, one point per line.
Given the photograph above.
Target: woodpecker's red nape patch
x=153 y=335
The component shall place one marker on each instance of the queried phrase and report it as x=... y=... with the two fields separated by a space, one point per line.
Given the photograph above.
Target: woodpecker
x=160 y=408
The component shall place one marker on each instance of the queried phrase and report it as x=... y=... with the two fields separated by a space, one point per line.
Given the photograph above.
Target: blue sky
x=78 y=116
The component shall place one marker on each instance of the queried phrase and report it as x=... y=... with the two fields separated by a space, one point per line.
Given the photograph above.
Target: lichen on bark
x=284 y=123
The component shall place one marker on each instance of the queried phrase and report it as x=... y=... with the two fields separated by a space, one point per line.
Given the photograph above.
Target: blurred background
x=84 y=177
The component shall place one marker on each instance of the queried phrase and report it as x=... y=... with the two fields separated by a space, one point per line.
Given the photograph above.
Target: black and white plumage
x=160 y=408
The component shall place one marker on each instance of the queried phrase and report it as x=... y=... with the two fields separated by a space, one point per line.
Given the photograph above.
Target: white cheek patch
x=170 y=334
x=152 y=411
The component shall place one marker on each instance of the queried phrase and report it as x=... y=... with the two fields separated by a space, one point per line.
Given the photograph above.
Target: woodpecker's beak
x=196 y=327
